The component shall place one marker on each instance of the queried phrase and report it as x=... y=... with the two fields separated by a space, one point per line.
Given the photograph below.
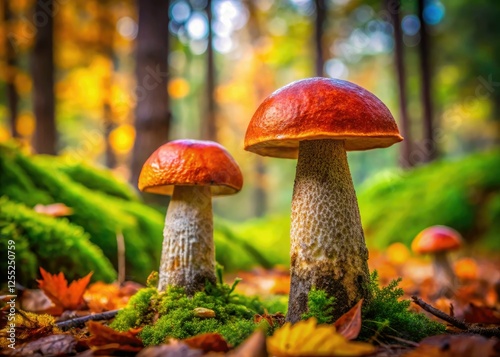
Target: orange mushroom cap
x=190 y=163
x=436 y=239
x=320 y=108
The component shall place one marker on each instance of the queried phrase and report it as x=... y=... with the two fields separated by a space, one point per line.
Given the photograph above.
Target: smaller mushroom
x=191 y=171
x=438 y=241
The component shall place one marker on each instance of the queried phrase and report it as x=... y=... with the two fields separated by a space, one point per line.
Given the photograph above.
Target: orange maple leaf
x=63 y=296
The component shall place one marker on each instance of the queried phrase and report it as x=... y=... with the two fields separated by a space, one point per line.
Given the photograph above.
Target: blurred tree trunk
x=43 y=79
x=209 y=125
x=429 y=144
x=152 y=118
x=106 y=28
x=394 y=8
x=11 y=61
x=319 y=27
x=260 y=193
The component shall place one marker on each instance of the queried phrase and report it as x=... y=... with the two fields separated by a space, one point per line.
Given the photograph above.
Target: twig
x=80 y=321
x=469 y=328
x=120 y=244
x=438 y=313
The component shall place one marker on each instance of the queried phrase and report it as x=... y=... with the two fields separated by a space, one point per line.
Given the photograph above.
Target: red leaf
x=208 y=342
x=63 y=296
x=481 y=315
x=455 y=346
x=349 y=324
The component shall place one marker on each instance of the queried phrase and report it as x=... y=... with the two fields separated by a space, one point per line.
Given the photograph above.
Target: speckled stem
x=328 y=249
x=444 y=277
x=188 y=255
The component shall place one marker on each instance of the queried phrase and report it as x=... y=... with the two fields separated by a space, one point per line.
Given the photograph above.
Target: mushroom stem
x=188 y=253
x=328 y=249
x=444 y=276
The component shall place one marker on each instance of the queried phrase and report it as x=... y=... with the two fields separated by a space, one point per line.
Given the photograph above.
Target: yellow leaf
x=306 y=338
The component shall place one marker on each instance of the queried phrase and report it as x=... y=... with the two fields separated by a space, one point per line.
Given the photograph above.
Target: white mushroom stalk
x=188 y=254
x=328 y=249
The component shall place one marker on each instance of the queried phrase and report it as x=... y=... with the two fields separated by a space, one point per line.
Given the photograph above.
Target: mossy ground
x=385 y=314
x=172 y=314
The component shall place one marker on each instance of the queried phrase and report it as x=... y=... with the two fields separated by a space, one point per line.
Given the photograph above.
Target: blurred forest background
x=107 y=82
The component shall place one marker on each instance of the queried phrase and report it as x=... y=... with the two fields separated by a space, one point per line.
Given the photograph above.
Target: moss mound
x=181 y=316
x=462 y=194
x=39 y=241
x=385 y=314
x=102 y=210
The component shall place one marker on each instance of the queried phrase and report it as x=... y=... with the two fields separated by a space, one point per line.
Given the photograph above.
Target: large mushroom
x=318 y=120
x=438 y=241
x=191 y=171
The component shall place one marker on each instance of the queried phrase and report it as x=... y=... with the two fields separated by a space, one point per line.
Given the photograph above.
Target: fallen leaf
x=28 y=327
x=456 y=346
x=208 y=342
x=63 y=296
x=277 y=318
x=254 y=346
x=173 y=349
x=35 y=300
x=481 y=314
x=53 y=345
x=349 y=324
x=108 y=341
x=54 y=210
x=101 y=297
x=306 y=338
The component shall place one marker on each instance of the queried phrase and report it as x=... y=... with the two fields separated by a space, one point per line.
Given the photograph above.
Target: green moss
x=103 y=209
x=41 y=239
x=448 y=193
x=320 y=306
x=388 y=314
x=91 y=177
x=178 y=319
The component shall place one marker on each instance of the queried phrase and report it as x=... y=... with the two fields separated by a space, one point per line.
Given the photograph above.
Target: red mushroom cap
x=436 y=239
x=320 y=108
x=190 y=163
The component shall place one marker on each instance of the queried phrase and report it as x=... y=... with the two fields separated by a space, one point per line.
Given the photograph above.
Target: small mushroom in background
x=317 y=120
x=438 y=241
x=191 y=171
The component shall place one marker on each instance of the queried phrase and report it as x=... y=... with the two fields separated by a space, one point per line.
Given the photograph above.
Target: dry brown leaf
x=53 y=345
x=349 y=324
x=254 y=346
x=173 y=349
x=63 y=296
x=107 y=341
x=54 y=210
x=306 y=338
x=456 y=346
x=208 y=342
x=481 y=314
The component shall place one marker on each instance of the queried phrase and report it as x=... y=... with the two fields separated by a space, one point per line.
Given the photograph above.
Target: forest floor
x=471 y=315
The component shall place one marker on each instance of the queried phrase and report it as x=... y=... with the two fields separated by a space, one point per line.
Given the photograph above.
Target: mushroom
x=438 y=241
x=318 y=120
x=191 y=171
